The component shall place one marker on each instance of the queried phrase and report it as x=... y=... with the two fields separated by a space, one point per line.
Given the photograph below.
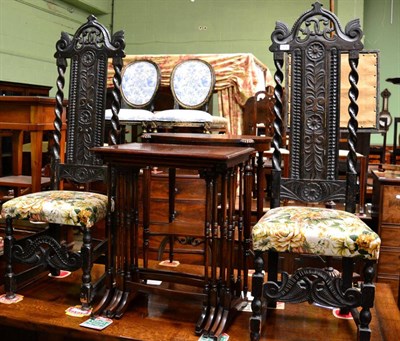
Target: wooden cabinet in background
x=386 y=213
x=185 y=217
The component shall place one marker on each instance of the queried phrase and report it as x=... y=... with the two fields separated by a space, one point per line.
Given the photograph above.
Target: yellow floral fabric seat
x=74 y=208
x=313 y=230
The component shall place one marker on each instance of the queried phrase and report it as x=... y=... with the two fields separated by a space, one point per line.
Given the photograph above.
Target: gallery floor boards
x=41 y=316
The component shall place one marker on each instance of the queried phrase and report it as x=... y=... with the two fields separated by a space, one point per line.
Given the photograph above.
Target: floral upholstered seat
x=59 y=207
x=313 y=230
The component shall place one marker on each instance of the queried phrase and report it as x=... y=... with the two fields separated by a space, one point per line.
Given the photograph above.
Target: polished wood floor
x=41 y=316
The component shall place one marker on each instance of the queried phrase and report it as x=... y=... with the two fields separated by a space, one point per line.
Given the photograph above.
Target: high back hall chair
x=88 y=51
x=192 y=84
x=299 y=221
x=140 y=82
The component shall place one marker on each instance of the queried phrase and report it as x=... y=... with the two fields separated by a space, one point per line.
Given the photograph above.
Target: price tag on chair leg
x=63 y=274
x=337 y=314
x=77 y=311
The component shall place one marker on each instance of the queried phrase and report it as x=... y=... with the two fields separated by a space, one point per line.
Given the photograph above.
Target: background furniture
x=396 y=134
x=261 y=144
x=258 y=115
x=23 y=89
x=315 y=43
x=139 y=85
x=395 y=153
x=385 y=120
x=15 y=89
x=192 y=85
x=238 y=77
x=35 y=115
x=89 y=50
x=386 y=215
x=6 y=151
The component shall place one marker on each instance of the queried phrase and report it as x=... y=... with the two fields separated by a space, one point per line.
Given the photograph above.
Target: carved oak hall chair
x=88 y=50
x=315 y=44
x=192 y=84
x=140 y=82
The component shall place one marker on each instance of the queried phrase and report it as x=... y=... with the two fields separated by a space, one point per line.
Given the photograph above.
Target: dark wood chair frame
x=315 y=43
x=396 y=149
x=89 y=50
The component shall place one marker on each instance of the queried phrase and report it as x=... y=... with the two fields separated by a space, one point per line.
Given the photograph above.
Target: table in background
x=222 y=283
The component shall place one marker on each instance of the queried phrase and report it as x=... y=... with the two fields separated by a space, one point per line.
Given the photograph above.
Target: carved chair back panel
x=88 y=50
x=86 y=106
x=314 y=46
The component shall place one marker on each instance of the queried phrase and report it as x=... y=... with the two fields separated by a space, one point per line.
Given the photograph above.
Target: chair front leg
x=87 y=264
x=347 y=278
x=368 y=296
x=256 y=290
x=9 y=280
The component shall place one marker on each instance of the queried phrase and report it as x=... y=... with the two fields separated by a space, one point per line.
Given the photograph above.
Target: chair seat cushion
x=314 y=230
x=132 y=115
x=183 y=115
x=218 y=121
x=59 y=207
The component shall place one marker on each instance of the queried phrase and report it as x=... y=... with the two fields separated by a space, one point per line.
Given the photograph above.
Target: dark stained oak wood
x=159 y=155
x=259 y=143
x=161 y=318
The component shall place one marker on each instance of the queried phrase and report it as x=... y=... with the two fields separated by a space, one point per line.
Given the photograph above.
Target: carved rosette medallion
x=88 y=58
x=311 y=192
x=85 y=117
x=315 y=51
x=314 y=122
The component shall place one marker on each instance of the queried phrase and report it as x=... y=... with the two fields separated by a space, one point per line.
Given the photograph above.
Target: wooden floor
x=41 y=316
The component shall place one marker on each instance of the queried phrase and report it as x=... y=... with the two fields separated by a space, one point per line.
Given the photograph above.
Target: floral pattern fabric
x=61 y=207
x=313 y=230
x=192 y=82
x=140 y=81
